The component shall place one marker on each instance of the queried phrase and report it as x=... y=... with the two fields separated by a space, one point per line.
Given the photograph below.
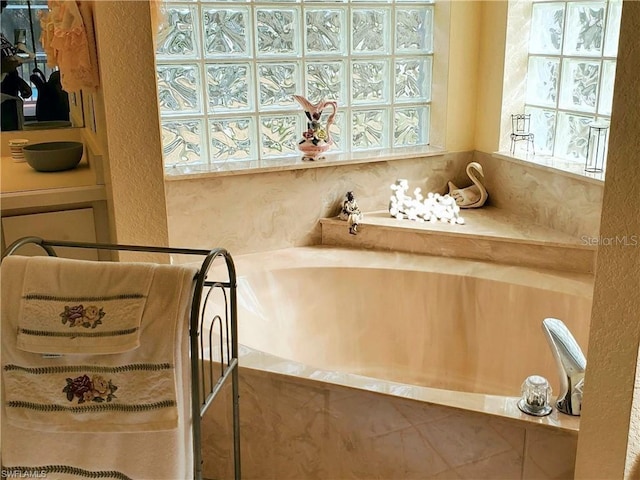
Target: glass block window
x=572 y=61
x=227 y=72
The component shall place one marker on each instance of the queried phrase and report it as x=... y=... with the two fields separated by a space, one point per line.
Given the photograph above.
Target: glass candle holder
x=536 y=396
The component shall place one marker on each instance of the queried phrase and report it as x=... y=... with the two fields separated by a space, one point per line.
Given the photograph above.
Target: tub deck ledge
x=489 y=234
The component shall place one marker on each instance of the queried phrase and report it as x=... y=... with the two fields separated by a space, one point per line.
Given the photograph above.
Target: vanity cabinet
x=69 y=206
x=68 y=225
x=40 y=214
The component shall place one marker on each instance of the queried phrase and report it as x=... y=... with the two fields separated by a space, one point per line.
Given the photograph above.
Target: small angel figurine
x=351 y=213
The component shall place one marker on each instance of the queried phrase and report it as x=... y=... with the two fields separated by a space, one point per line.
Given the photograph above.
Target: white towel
x=77 y=306
x=119 y=445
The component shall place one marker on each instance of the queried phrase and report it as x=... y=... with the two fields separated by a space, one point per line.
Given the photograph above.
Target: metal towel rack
x=205 y=384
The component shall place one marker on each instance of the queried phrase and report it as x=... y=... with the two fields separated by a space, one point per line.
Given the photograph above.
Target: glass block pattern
x=278 y=82
x=579 y=85
x=181 y=142
x=606 y=87
x=368 y=129
x=338 y=132
x=228 y=87
x=543 y=123
x=277 y=31
x=280 y=135
x=370 y=81
x=547 y=28
x=179 y=89
x=413 y=79
x=226 y=30
x=413 y=31
x=410 y=126
x=570 y=78
x=179 y=37
x=572 y=136
x=325 y=31
x=613 y=28
x=369 y=30
x=231 y=139
x=584 y=33
x=542 y=81
x=227 y=71
x=325 y=81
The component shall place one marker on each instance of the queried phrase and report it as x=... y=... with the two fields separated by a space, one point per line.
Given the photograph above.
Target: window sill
x=556 y=165
x=230 y=168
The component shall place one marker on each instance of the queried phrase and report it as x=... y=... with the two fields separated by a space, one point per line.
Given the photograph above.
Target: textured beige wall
x=514 y=79
x=632 y=466
x=462 y=88
x=490 y=74
x=615 y=322
x=130 y=133
x=440 y=79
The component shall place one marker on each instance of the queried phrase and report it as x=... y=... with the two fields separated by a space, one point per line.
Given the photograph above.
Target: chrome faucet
x=571 y=365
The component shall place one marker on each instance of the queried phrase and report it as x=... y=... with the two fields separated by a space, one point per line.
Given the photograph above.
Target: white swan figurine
x=473 y=196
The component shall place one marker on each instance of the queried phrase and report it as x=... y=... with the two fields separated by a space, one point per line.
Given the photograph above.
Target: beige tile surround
x=293 y=429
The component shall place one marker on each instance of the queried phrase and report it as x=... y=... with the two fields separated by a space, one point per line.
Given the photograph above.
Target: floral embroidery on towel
x=77 y=316
x=87 y=389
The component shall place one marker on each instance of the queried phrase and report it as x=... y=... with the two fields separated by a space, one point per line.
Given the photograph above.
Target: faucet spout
x=571 y=365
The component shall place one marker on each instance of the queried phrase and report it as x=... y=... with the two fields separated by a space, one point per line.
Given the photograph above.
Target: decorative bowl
x=53 y=156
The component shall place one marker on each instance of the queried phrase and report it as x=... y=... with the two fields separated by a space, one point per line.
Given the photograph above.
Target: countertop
x=20 y=177
x=23 y=190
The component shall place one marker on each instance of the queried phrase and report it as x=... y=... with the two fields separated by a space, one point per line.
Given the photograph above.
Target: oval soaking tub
x=451 y=339
x=436 y=322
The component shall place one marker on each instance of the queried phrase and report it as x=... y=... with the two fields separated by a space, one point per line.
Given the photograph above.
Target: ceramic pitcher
x=316 y=139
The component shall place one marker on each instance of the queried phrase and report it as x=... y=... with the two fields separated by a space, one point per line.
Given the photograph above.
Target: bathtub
x=345 y=350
